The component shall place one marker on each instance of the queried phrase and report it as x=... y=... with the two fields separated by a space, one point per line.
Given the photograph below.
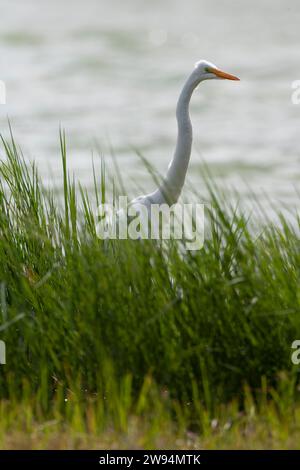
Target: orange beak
x=224 y=75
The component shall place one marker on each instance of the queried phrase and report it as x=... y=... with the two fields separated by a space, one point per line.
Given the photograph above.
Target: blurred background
x=110 y=74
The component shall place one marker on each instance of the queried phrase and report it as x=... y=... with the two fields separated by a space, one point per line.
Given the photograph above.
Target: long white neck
x=173 y=182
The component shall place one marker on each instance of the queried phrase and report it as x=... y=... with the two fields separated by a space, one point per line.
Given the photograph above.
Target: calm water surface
x=112 y=71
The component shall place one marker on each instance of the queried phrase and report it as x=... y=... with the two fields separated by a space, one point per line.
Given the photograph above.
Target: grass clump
x=95 y=320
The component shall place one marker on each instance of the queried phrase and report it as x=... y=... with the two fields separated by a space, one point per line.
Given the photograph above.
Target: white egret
x=170 y=189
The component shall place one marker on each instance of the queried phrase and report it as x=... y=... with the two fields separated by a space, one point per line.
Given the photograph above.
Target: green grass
x=103 y=335
x=152 y=420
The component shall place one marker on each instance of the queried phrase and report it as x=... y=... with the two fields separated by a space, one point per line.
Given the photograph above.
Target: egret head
x=206 y=71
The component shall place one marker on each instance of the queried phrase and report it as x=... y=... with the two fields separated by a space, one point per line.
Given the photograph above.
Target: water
x=112 y=72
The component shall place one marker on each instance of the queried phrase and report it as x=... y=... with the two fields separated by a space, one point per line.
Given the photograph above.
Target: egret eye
x=207 y=70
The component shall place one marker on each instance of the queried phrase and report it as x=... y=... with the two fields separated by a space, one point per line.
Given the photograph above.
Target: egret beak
x=223 y=75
